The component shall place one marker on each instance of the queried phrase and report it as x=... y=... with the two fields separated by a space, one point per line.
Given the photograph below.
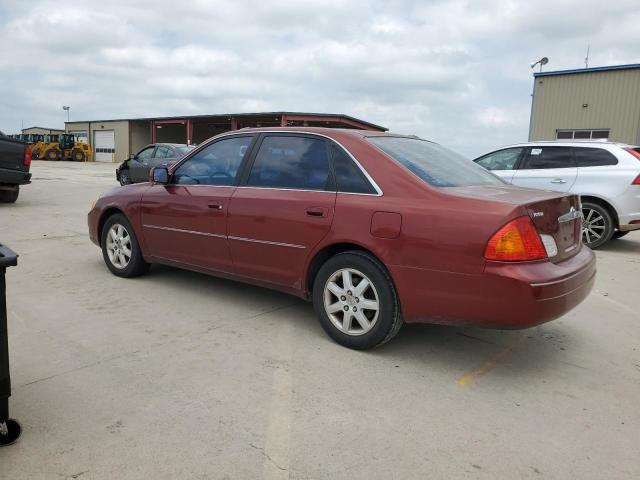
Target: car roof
x=330 y=132
x=571 y=143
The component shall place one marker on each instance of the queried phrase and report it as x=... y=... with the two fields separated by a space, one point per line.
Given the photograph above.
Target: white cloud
x=493 y=117
x=453 y=71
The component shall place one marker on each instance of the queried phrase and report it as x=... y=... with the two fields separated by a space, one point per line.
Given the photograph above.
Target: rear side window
x=433 y=163
x=349 y=177
x=594 y=157
x=294 y=162
x=549 y=157
x=502 y=160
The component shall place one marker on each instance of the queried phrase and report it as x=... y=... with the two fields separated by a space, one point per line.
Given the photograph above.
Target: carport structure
x=115 y=140
x=196 y=129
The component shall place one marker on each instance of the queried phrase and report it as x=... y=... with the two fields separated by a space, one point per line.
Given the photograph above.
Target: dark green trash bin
x=9 y=429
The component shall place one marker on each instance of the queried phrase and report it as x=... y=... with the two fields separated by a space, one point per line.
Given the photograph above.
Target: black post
x=9 y=429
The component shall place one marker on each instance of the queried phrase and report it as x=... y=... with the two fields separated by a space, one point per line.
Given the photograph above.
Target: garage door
x=104 y=145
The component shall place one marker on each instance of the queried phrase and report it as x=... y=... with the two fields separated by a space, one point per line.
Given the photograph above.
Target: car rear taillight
x=27 y=156
x=517 y=241
x=636 y=181
x=634 y=151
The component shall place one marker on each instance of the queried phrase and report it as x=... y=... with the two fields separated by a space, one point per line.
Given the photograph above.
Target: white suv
x=606 y=176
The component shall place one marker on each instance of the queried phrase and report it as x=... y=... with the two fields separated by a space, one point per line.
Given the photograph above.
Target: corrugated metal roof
x=588 y=70
x=337 y=116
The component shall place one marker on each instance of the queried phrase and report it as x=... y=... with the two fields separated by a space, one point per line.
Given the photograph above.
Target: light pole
x=541 y=62
x=67 y=108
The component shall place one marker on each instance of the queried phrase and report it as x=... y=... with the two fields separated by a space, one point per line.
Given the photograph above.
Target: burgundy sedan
x=377 y=229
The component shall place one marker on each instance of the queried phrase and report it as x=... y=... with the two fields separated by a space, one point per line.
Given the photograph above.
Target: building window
x=582 y=134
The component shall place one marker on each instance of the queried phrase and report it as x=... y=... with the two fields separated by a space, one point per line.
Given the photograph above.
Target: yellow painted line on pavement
x=491 y=362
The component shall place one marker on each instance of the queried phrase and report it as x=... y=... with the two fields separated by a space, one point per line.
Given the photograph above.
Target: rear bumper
x=14 y=177
x=506 y=295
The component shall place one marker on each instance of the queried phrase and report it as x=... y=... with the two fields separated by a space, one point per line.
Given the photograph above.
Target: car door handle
x=317 y=212
x=558 y=180
x=215 y=206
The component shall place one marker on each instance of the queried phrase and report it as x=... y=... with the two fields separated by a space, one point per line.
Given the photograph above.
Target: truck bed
x=14 y=169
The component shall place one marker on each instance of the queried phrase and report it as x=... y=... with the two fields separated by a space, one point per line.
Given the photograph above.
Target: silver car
x=606 y=175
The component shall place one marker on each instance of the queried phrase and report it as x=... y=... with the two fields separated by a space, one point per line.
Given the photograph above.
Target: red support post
x=189 y=132
x=234 y=123
x=283 y=121
x=153 y=131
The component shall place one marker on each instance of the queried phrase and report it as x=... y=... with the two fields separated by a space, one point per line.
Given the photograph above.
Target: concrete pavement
x=181 y=375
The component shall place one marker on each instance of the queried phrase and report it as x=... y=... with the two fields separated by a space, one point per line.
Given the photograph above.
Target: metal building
x=115 y=140
x=589 y=103
x=43 y=131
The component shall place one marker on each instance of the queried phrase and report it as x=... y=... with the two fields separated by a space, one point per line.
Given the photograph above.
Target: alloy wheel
x=119 y=246
x=593 y=225
x=351 y=301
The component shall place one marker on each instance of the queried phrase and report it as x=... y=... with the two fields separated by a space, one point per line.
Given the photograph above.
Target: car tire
x=618 y=234
x=9 y=196
x=366 y=327
x=597 y=226
x=120 y=248
x=124 y=178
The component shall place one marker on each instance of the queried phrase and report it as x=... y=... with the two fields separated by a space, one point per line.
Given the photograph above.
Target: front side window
x=549 y=157
x=594 y=157
x=502 y=160
x=434 y=164
x=163 y=152
x=145 y=154
x=292 y=162
x=216 y=164
x=349 y=177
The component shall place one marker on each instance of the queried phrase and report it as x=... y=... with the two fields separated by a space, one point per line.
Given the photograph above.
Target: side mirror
x=160 y=175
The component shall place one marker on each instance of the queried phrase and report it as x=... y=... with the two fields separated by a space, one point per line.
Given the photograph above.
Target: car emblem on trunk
x=571 y=215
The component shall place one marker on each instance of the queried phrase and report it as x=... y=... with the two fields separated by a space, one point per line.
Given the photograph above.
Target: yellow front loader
x=61 y=147
x=45 y=147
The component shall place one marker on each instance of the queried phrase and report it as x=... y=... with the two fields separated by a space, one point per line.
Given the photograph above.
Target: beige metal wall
x=613 y=99
x=120 y=130
x=140 y=134
x=42 y=131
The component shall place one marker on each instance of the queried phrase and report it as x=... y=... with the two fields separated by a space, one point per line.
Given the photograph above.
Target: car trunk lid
x=555 y=214
x=560 y=218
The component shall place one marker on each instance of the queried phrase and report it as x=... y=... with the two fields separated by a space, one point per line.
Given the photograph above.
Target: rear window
x=433 y=163
x=594 y=157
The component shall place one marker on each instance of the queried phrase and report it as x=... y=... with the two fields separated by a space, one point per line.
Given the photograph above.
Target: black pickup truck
x=15 y=160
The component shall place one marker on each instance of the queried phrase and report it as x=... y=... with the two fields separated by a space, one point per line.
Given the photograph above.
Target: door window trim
x=252 y=150
x=244 y=175
x=376 y=187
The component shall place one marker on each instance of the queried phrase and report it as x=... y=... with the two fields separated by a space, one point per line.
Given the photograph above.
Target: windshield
x=185 y=148
x=436 y=165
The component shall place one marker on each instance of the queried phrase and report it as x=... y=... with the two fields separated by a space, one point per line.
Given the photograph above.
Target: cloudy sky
x=456 y=72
